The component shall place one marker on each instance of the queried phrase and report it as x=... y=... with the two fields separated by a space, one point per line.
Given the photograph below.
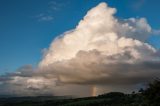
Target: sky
x=27 y=27
x=40 y=39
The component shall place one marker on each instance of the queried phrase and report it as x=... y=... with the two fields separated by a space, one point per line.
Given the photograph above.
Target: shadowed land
x=148 y=97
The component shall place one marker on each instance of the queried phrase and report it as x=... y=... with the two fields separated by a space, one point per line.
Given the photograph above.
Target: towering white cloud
x=101 y=31
x=102 y=51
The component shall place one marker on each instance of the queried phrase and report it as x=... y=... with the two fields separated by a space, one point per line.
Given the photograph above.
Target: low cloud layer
x=102 y=53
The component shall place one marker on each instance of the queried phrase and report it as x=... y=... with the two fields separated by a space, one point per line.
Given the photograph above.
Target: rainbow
x=94 y=91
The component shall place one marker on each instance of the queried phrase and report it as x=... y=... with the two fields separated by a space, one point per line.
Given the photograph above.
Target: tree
x=152 y=93
x=141 y=90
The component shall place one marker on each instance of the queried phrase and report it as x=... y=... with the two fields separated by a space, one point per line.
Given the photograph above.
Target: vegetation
x=148 y=97
x=152 y=93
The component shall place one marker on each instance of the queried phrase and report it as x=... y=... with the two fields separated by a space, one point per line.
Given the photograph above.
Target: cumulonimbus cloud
x=101 y=51
x=99 y=41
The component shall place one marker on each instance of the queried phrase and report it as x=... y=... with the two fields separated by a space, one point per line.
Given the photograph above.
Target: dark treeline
x=149 y=96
